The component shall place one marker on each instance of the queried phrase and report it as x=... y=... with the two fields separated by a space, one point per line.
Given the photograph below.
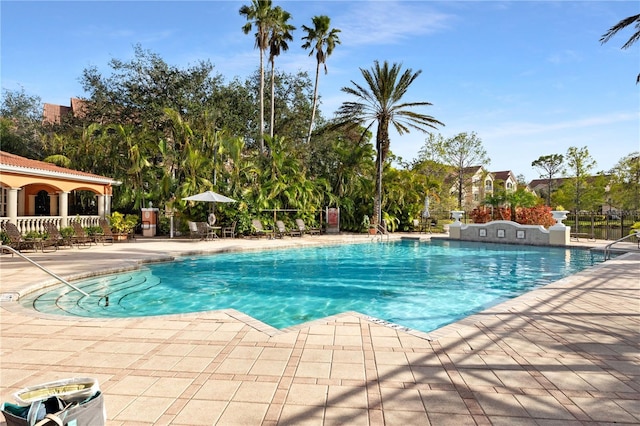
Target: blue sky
x=530 y=78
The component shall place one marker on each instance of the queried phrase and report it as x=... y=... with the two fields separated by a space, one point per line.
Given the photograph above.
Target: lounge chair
x=305 y=230
x=282 y=230
x=259 y=231
x=107 y=234
x=80 y=237
x=16 y=240
x=229 y=231
x=55 y=235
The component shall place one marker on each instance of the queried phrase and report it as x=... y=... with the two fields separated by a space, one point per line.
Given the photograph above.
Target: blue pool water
x=420 y=285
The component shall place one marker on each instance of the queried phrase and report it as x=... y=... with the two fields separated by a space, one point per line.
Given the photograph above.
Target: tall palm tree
x=322 y=40
x=259 y=14
x=280 y=34
x=623 y=24
x=379 y=102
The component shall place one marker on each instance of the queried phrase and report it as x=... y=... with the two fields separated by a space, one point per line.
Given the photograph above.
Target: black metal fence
x=611 y=226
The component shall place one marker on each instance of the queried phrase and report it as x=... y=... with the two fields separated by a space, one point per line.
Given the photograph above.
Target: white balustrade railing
x=36 y=223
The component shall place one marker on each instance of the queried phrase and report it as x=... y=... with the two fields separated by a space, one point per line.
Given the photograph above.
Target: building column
x=12 y=205
x=107 y=205
x=101 y=200
x=53 y=204
x=64 y=209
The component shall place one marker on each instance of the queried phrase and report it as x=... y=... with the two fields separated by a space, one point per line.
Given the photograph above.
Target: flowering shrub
x=480 y=215
x=539 y=215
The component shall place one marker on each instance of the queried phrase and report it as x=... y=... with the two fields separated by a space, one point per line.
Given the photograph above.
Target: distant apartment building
x=54 y=114
x=479 y=183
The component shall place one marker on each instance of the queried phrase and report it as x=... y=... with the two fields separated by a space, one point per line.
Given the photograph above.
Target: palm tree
x=259 y=14
x=620 y=25
x=319 y=38
x=379 y=103
x=280 y=34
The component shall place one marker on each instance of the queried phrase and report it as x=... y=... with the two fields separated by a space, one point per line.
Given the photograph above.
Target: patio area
x=567 y=353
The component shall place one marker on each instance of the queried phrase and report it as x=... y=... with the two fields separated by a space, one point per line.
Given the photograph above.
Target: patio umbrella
x=425 y=210
x=211 y=197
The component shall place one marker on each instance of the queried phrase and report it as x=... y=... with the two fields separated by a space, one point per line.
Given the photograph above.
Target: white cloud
x=388 y=22
x=510 y=129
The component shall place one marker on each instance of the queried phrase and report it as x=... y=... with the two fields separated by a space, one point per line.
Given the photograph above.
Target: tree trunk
x=315 y=102
x=261 y=125
x=273 y=102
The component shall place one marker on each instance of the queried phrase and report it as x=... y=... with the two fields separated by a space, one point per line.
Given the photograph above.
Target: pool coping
x=445 y=330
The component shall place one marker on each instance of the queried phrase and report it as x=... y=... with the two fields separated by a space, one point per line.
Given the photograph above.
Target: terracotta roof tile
x=8 y=159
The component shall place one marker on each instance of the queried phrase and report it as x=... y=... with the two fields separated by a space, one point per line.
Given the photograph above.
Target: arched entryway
x=42 y=204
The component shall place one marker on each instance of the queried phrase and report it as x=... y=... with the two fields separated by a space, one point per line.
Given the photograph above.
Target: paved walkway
x=564 y=354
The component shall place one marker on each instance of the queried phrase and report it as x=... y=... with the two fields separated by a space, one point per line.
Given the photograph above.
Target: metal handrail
x=14 y=251
x=380 y=231
x=607 y=248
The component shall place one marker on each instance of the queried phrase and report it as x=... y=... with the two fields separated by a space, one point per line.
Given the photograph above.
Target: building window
x=3 y=201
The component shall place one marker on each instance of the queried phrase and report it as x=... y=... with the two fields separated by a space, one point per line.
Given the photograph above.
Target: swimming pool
x=419 y=285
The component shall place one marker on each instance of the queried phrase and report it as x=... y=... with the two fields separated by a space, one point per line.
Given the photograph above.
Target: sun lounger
x=259 y=231
x=107 y=234
x=80 y=237
x=16 y=240
x=281 y=230
x=306 y=230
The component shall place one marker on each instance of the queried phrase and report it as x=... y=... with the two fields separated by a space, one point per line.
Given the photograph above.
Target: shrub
x=480 y=215
x=539 y=215
x=33 y=234
x=94 y=230
x=67 y=232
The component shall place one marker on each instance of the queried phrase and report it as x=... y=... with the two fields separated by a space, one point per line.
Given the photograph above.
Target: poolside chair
x=107 y=234
x=16 y=240
x=229 y=231
x=259 y=231
x=56 y=236
x=305 y=230
x=206 y=231
x=198 y=230
x=80 y=237
x=193 y=230
x=282 y=230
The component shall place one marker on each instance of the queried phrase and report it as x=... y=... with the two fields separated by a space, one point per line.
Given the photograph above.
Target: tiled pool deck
x=564 y=354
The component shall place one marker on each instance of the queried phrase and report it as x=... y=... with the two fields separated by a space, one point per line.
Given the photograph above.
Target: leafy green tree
x=138 y=91
x=279 y=35
x=321 y=39
x=519 y=198
x=292 y=107
x=259 y=14
x=434 y=172
x=549 y=166
x=624 y=191
x=461 y=153
x=379 y=102
x=579 y=164
x=621 y=25
x=21 y=130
